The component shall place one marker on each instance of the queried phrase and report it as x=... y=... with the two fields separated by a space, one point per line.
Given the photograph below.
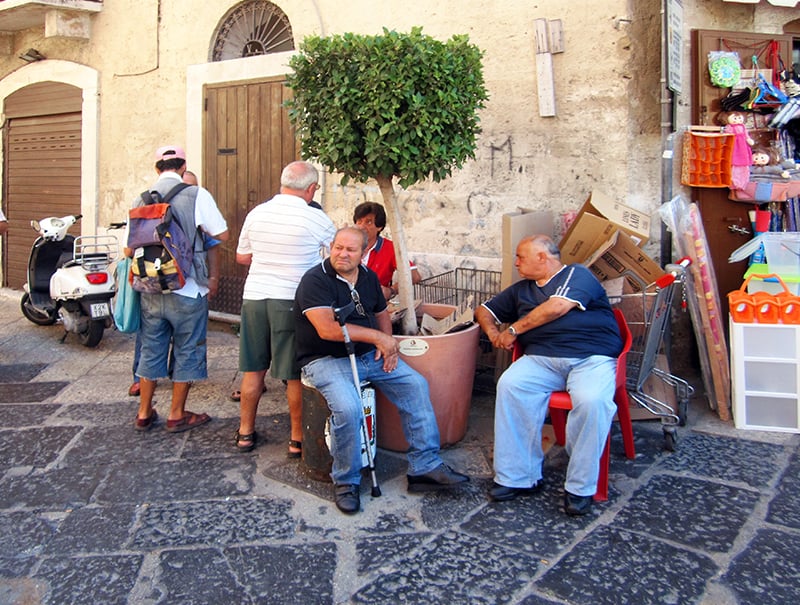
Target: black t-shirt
x=321 y=286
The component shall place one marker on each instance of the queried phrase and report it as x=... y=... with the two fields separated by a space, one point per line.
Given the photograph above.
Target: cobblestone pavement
x=93 y=512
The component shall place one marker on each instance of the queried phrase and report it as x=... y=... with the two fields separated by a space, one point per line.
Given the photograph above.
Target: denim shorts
x=178 y=318
x=266 y=338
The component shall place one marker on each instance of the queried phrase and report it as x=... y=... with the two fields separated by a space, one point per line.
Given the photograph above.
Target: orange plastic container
x=790 y=309
x=706 y=159
x=767 y=307
x=742 y=307
x=763 y=307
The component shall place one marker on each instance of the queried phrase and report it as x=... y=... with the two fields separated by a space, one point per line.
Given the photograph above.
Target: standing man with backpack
x=179 y=314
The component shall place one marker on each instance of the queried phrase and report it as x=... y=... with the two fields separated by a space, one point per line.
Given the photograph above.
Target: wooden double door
x=247 y=142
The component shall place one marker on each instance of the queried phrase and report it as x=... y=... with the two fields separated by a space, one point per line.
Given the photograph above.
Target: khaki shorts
x=266 y=338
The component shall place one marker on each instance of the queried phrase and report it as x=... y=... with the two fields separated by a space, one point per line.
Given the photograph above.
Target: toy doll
x=766 y=164
x=742 y=157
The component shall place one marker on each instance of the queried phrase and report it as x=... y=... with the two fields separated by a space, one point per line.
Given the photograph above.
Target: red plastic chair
x=560 y=404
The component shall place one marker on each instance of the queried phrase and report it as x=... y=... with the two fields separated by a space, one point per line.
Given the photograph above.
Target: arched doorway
x=247 y=138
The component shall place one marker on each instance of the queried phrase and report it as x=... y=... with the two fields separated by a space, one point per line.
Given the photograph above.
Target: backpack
x=162 y=252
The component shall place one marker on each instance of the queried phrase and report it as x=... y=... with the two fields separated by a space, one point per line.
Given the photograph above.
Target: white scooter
x=69 y=279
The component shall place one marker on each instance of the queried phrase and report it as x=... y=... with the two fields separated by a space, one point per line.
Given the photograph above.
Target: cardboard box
x=584 y=237
x=600 y=206
x=517 y=225
x=619 y=256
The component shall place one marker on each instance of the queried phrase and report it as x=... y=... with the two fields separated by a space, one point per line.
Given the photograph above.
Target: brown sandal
x=298 y=445
x=189 y=421
x=249 y=440
x=145 y=424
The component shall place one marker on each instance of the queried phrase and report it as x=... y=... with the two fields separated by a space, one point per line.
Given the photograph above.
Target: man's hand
x=213 y=286
x=503 y=340
x=387 y=347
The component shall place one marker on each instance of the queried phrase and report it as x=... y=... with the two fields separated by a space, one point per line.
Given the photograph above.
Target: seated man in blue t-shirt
x=565 y=324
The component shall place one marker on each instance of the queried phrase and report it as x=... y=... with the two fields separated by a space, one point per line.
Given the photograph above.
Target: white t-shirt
x=286 y=237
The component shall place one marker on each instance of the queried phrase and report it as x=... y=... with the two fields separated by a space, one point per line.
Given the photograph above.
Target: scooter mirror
x=35 y=225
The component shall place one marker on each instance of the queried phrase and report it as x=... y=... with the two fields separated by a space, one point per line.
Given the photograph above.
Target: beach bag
x=162 y=253
x=127 y=307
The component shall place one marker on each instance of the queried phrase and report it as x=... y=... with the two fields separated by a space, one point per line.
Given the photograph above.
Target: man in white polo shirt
x=280 y=240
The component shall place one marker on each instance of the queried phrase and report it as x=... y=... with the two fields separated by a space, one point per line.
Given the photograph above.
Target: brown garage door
x=42 y=166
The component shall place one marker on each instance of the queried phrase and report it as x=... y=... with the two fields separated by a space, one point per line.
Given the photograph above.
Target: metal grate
x=455 y=288
x=256 y=27
x=229 y=297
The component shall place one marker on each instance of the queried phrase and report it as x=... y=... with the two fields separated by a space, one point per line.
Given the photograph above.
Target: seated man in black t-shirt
x=339 y=282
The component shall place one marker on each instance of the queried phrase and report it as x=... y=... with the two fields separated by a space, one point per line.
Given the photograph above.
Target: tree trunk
x=406 y=287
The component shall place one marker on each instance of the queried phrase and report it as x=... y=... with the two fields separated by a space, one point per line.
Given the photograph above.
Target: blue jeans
x=523 y=393
x=408 y=390
x=185 y=321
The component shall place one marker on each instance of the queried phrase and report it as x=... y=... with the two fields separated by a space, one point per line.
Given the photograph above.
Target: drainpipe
x=667 y=111
x=667 y=138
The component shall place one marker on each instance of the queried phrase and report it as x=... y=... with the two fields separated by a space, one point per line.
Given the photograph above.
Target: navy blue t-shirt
x=322 y=287
x=588 y=329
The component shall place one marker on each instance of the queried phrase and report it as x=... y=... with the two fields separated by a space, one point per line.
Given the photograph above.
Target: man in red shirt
x=371 y=217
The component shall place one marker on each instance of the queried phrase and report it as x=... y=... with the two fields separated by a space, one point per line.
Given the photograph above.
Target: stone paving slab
x=767 y=571
x=89 y=580
x=14 y=416
x=248 y=574
x=453 y=568
x=738 y=460
x=612 y=566
x=784 y=508
x=15 y=392
x=707 y=516
x=36 y=447
x=20 y=372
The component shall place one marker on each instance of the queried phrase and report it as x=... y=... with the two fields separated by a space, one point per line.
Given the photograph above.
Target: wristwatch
x=512 y=331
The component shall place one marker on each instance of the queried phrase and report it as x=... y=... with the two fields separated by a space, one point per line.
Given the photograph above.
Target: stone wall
x=606 y=133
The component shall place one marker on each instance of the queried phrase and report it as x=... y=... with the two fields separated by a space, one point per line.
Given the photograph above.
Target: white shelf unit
x=765 y=376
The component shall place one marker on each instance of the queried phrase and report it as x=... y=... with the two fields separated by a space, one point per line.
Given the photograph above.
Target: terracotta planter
x=448 y=364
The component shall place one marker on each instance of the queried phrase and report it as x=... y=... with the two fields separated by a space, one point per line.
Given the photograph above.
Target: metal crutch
x=341 y=314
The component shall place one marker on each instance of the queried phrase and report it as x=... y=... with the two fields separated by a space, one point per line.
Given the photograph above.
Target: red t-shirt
x=381 y=259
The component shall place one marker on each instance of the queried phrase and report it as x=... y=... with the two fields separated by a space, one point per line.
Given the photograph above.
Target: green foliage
x=388 y=105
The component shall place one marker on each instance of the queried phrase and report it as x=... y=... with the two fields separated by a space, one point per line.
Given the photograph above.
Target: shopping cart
x=647 y=313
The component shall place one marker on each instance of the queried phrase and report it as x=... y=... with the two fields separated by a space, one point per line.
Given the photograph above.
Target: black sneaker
x=575 y=506
x=442 y=477
x=501 y=493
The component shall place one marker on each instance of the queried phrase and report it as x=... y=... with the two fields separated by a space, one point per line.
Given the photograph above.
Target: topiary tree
x=388 y=107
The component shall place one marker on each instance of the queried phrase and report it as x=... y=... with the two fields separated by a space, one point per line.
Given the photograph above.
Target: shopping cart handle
x=669 y=278
x=665 y=280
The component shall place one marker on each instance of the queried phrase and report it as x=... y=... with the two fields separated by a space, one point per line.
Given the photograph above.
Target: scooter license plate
x=99 y=310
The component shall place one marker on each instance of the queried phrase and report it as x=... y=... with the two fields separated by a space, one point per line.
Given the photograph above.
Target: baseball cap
x=170 y=152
